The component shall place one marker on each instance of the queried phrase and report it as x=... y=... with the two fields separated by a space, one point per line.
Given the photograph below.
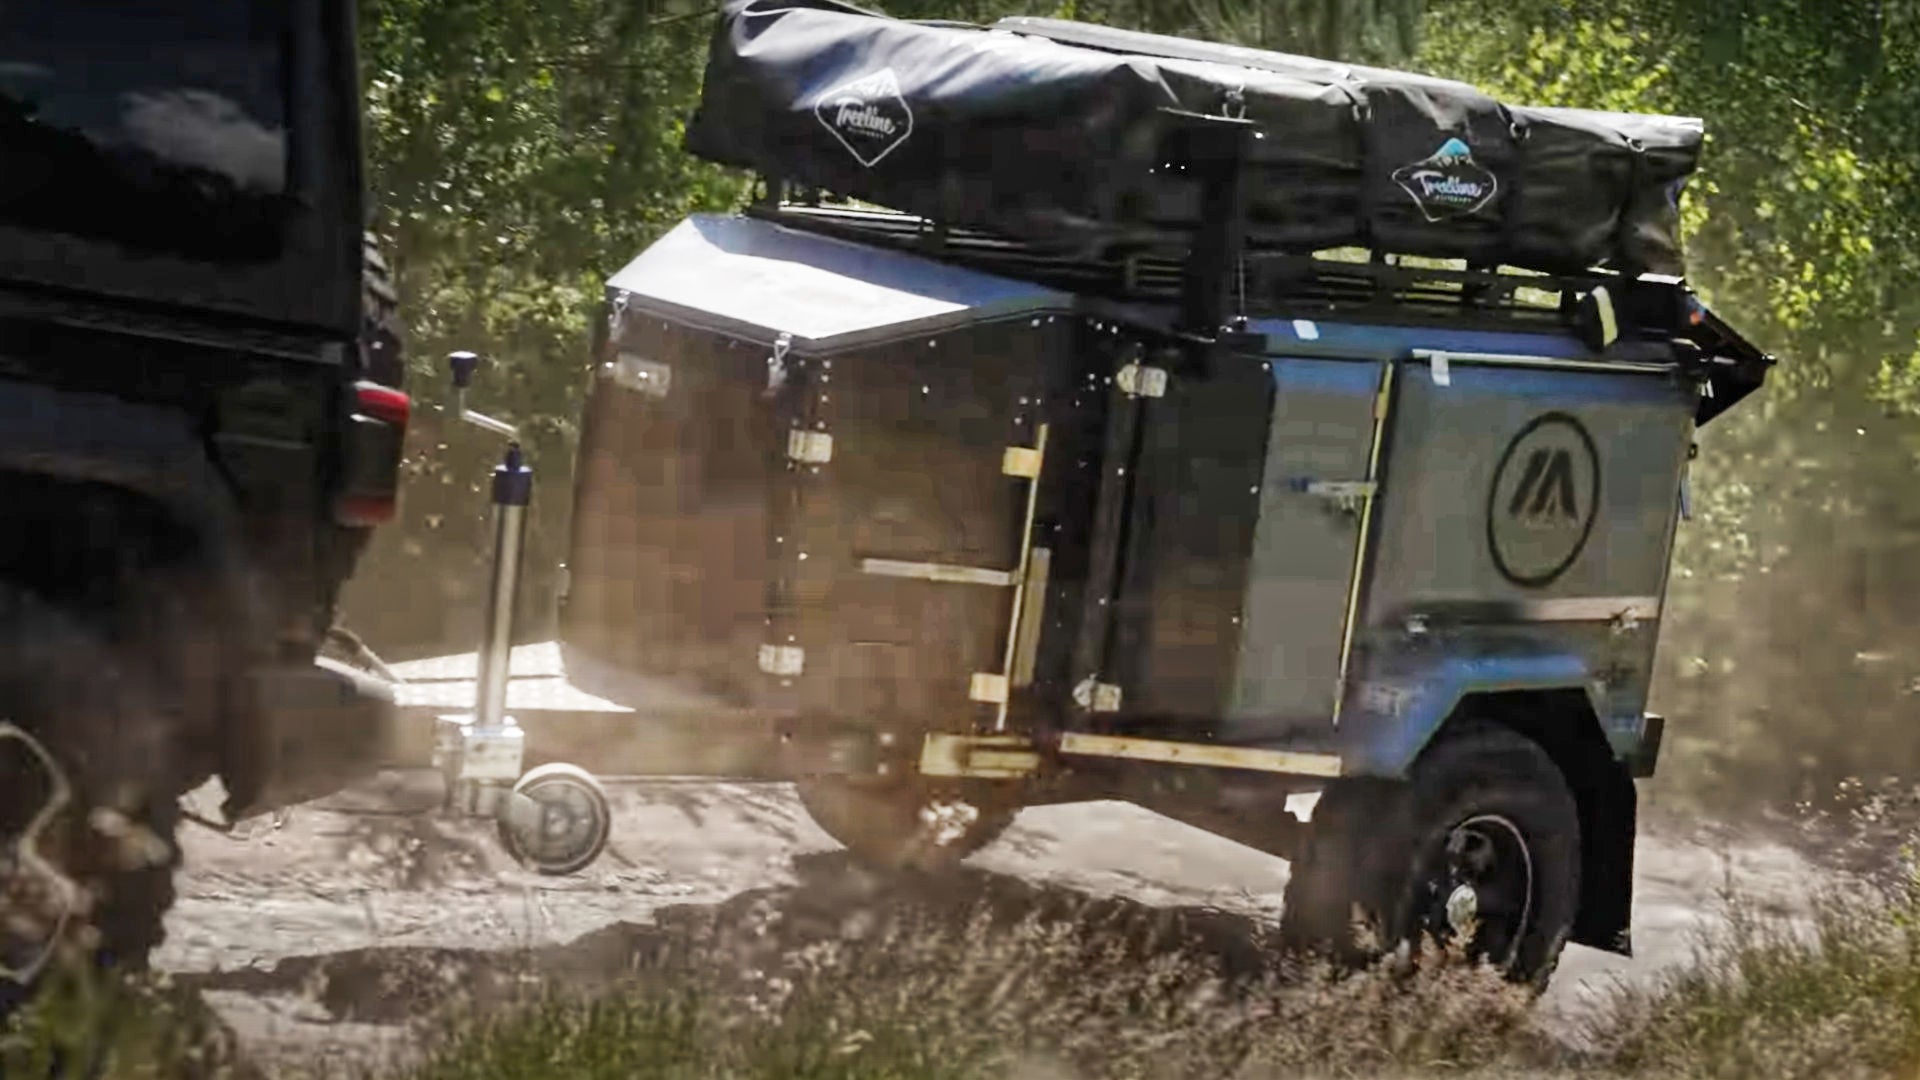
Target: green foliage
x=519 y=153
x=82 y=1024
x=1802 y=231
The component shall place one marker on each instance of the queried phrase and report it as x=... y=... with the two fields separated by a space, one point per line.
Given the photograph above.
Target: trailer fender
x=1394 y=716
x=1552 y=698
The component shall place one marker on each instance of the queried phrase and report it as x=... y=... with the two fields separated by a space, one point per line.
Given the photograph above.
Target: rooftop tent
x=1057 y=132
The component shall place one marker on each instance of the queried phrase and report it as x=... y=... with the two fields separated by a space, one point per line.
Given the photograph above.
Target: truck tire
x=903 y=825
x=1485 y=829
x=382 y=336
x=95 y=718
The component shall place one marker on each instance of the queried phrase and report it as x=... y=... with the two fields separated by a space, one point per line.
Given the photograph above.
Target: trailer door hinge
x=1021 y=461
x=809 y=447
x=988 y=688
x=1142 y=380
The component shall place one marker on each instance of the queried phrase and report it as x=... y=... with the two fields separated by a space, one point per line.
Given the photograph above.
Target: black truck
x=201 y=416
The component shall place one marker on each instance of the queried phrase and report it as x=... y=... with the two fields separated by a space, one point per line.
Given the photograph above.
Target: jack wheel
x=556 y=820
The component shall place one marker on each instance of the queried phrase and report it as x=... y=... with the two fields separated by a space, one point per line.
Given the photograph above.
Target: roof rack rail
x=1269 y=282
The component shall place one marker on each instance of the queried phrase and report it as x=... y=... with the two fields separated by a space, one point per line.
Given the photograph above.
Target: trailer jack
x=555 y=818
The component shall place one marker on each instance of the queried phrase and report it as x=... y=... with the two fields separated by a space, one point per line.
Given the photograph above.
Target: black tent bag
x=1019 y=134
x=1055 y=132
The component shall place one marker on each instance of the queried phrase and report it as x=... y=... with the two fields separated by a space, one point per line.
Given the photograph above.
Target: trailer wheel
x=904 y=825
x=1484 y=837
x=89 y=800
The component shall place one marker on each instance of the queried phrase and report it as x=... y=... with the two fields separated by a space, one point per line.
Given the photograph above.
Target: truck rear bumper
x=317 y=728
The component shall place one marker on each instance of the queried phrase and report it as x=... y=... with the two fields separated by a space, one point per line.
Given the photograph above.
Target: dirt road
x=311 y=938
x=324 y=934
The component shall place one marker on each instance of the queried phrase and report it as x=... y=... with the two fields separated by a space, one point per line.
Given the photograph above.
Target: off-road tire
x=382 y=335
x=1375 y=856
x=96 y=715
x=883 y=824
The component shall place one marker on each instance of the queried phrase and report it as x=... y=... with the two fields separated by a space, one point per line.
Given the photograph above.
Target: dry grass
x=1836 y=999
x=1088 y=989
x=919 y=995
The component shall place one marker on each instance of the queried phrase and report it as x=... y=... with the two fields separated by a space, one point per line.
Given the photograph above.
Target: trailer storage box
x=849 y=484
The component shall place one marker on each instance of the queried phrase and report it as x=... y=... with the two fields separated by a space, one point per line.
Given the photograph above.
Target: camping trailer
x=1081 y=414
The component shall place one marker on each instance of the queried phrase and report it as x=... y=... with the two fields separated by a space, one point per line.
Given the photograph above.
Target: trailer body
x=1012 y=490
x=795 y=498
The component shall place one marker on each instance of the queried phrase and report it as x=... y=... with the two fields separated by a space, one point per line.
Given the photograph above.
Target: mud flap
x=1608 y=826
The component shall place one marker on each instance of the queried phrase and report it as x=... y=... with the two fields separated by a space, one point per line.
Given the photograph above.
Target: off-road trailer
x=941 y=519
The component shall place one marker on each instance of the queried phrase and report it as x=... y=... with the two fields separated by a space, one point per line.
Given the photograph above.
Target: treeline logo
x=1449 y=183
x=1544 y=499
x=869 y=115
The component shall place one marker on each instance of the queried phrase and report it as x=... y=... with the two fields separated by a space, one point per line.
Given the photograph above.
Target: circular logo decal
x=1545 y=494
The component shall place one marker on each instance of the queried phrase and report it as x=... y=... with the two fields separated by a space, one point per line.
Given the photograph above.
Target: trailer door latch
x=1142 y=380
x=784 y=660
x=1095 y=696
x=810 y=447
x=1340 y=489
x=1348 y=495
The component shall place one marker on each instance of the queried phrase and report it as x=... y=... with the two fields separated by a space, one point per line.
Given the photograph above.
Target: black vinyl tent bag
x=1055 y=132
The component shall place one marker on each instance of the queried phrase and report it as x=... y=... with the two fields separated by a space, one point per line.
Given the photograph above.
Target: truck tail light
x=370 y=459
x=383 y=403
